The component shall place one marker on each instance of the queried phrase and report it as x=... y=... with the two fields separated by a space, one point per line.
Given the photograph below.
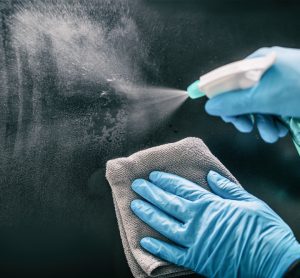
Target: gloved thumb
x=226 y=189
x=231 y=103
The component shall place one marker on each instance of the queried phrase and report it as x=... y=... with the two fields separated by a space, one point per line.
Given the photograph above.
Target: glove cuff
x=286 y=260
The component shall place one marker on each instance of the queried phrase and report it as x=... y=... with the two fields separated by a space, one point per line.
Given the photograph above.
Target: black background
x=61 y=120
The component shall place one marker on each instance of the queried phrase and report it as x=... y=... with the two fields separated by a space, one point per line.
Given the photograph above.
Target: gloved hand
x=277 y=94
x=227 y=233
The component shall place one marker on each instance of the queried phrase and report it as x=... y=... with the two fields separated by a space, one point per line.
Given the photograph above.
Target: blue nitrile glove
x=277 y=94
x=228 y=233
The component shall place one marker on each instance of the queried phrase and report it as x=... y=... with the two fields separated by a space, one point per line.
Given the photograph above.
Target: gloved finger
x=159 y=221
x=227 y=189
x=267 y=128
x=260 y=52
x=178 y=186
x=166 y=251
x=242 y=123
x=167 y=202
x=282 y=129
x=232 y=103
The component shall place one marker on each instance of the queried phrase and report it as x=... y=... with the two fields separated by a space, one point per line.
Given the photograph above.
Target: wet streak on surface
x=64 y=112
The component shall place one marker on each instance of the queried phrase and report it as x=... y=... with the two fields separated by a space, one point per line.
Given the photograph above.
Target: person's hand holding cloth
x=224 y=233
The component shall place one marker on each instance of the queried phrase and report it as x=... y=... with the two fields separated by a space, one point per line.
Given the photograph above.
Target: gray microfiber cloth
x=189 y=158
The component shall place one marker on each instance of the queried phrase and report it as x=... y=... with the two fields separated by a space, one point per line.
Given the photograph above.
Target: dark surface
x=61 y=120
x=293 y=271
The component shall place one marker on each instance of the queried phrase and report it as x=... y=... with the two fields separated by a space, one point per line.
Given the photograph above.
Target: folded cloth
x=189 y=158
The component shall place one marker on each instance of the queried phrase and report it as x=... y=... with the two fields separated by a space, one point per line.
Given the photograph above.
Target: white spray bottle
x=234 y=76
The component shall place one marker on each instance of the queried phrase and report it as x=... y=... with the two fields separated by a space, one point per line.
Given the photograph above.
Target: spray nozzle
x=194 y=91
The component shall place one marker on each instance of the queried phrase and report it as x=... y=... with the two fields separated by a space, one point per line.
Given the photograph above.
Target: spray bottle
x=242 y=74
